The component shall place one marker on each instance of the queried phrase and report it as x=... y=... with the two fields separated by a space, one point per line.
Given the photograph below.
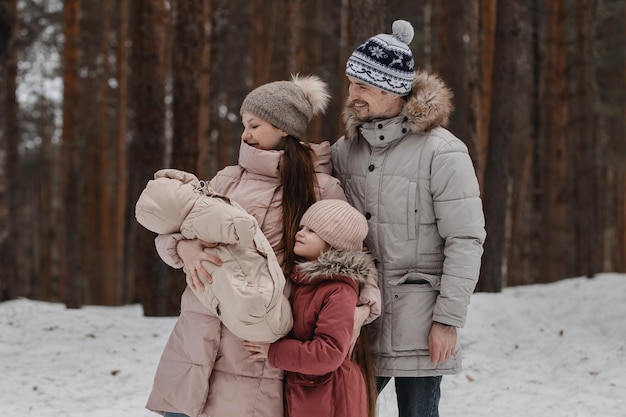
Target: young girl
x=204 y=370
x=322 y=380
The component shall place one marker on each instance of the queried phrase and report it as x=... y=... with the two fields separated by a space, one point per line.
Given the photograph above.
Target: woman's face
x=260 y=134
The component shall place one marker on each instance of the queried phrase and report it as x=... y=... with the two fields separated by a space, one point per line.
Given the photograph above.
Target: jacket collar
x=263 y=162
x=349 y=266
x=429 y=106
x=383 y=132
x=259 y=161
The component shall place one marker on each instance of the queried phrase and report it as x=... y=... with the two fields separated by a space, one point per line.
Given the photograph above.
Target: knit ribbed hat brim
x=337 y=223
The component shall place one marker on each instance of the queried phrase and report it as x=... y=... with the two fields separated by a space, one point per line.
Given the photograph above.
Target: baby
x=247 y=288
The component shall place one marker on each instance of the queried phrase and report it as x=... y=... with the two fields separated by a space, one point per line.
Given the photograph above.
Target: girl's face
x=260 y=134
x=309 y=245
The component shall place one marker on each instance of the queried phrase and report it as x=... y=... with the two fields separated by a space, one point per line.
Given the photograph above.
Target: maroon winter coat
x=321 y=380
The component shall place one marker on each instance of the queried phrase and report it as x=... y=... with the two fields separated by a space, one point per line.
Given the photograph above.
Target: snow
x=543 y=350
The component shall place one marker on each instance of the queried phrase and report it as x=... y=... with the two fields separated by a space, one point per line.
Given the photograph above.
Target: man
x=415 y=183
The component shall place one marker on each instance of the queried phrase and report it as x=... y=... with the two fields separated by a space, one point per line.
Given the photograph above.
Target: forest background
x=101 y=94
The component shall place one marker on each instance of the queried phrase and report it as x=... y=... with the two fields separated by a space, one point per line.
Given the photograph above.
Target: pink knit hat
x=337 y=223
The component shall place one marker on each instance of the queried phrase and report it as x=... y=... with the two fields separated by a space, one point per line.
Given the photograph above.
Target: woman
x=204 y=370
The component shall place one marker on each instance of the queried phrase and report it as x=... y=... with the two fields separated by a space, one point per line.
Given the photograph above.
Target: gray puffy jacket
x=416 y=185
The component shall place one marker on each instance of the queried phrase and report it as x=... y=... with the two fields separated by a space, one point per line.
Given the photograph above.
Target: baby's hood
x=167 y=200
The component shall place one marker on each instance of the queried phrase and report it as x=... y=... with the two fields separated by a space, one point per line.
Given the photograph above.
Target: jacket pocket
x=308 y=380
x=412 y=309
x=302 y=391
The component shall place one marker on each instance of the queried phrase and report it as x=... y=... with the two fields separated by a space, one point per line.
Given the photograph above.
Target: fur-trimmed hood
x=429 y=106
x=346 y=265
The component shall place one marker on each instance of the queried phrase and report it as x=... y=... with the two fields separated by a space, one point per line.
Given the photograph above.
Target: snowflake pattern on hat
x=385 y=61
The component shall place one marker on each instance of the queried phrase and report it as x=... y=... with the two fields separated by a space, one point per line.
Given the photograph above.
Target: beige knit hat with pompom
x=288 y=105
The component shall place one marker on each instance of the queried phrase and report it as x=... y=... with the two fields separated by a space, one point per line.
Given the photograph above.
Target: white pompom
x=315 y=90
x=403 y=31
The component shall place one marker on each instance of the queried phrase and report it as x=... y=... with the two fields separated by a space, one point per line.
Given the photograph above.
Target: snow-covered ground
x=556 y=350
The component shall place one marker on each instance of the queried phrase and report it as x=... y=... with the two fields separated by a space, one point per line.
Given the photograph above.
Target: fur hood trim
x=354 y=265
x=429 y=106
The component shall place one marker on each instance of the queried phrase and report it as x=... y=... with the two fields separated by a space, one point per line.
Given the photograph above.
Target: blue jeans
x=417 y=396
x=170 y=414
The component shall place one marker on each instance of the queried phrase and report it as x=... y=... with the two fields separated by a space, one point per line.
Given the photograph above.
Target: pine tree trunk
x=366 y=18
x=109 y=288
x=555 y=250
x=186 y=72
x=622 y=193
x=293 y=28
x=189 y=31
x=504 y=124
x=458 y=40
x=10 y=235
x=585 y=154
x=46 y=287
x=487 y=40
x=89 y=131
x=148 y=146
x=70 y=281
x=120 y=237
x=204 y=111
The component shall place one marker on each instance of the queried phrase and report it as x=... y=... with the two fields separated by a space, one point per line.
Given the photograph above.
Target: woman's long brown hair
x=297 y=176
x=362 y=356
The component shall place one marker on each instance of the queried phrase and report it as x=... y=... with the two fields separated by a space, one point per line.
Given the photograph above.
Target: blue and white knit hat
x=386 y=61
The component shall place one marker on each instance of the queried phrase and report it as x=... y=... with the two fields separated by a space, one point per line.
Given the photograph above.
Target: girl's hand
x=360 y=315
x=192 y=254
x=258 y=350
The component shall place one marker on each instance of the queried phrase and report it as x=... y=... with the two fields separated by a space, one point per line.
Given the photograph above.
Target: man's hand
x=441 y=342
x=360 y=315
x=192 y=254
x=258 y=350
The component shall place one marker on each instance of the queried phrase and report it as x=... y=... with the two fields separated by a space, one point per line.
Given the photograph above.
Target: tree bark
x=186 y=73
x=293 y=28
x=555 y=244
x=459 y=43
x=585 y=154
x=487 y=42
x=148 y=146
x=89 y=130
x=502 y=131
x=120 y=171
x=70 y=274
x=204 y=110
x=10 y=235
x=189 y=38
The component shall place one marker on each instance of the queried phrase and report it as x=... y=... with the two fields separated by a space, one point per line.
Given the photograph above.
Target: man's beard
x=366 y=118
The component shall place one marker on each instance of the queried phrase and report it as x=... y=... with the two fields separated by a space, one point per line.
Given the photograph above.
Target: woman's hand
x=258 y=350
x=192 y=254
